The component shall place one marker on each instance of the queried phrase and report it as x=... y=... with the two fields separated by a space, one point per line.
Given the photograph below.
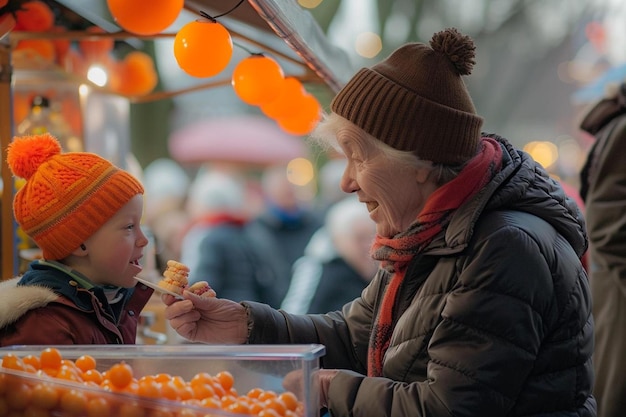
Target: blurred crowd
x=260 y=237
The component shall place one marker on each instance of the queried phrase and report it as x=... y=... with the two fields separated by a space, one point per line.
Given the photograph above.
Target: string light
x=200 y=58
x=286 y=102
x=145 y=17
x=308 y=116
x=257 y=79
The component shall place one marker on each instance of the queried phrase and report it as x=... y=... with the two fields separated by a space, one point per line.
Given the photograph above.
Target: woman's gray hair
x=325 y=137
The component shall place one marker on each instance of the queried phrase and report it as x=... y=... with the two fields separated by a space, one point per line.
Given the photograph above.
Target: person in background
x=329 y=191
x=215 y=246
x=84 y=214
x=481 y=306
x=574 y=194
x=337 y=264
x=603 y=180
x=167 y=187
x=282 y=230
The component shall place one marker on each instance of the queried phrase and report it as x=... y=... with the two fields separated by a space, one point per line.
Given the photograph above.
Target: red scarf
x=395 y=253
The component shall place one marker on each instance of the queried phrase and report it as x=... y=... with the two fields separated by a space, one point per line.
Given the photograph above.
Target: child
x=83 y=213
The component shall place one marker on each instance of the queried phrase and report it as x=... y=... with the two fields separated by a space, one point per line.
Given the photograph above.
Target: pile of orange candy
x=42 y=397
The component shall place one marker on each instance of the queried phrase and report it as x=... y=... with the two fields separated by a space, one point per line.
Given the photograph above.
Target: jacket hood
x=45 y=282
x=521 y=185
x=605 y=110
x=16 y=300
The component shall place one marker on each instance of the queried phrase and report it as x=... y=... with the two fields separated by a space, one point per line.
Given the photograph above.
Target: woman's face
x=393 y=190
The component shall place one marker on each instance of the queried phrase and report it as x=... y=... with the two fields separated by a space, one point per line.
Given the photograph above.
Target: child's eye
x=130 y=226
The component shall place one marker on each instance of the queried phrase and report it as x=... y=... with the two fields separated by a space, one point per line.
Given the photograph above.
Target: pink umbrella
x=239 y=139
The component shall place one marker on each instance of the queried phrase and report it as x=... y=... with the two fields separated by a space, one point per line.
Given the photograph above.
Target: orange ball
x=257 y=79
x=42 y=47
x=137 y=74
x=203 y=48
x=308 y=116
x=61 y=46
x=21 y=107
x=121 y=375
x=286 y=102
x=34 y=15
x=96 y=49
x=145 y=17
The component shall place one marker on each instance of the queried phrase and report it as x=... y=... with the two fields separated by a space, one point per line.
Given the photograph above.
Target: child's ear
x=80 y=251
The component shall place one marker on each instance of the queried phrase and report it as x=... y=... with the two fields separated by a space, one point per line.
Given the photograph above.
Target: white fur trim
x=16 y=301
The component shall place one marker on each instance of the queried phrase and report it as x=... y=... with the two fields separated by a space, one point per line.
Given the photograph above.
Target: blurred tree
x=519 y=83
x=150 y=123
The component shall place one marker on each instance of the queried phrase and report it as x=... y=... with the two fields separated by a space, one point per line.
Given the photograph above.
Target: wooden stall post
x=7 y=225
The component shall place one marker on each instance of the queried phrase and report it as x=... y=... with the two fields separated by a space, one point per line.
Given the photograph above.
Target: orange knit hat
x=67 y=197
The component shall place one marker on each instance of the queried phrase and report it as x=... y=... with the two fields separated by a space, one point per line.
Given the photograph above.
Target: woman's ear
x=422 y=174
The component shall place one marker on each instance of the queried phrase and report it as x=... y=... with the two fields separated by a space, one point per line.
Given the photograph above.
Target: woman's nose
x=348 y=184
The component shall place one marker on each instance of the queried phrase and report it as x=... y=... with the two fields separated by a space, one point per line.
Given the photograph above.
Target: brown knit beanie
x=416 y=100
x=67 y=197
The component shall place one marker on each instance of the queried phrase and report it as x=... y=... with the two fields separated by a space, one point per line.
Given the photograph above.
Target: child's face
x=115 y=249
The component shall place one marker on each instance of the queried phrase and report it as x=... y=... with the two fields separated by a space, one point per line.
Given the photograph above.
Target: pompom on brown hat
x=67 y=197
x=416 y=99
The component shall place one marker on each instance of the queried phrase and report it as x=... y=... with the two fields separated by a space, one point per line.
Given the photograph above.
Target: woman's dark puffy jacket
x=494 y=316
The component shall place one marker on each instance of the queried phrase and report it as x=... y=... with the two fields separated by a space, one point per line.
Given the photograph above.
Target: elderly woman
x=481 y=306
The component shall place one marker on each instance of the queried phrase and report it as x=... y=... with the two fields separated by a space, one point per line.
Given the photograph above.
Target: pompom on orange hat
x=67 y=197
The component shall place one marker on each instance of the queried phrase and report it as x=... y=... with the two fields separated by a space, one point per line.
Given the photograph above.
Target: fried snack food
x=175 y=277
x=202 y=288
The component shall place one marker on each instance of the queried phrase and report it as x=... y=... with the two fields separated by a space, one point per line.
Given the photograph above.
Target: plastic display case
x=254 y=368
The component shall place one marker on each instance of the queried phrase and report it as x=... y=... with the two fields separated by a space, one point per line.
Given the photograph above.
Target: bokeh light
x=368 y=44
x=300 y=171
x=544 y=152
x=309 y=4
x=97 y=75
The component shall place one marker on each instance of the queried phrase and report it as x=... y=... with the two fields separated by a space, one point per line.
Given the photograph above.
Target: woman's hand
x=293 y=382
x=207 y=319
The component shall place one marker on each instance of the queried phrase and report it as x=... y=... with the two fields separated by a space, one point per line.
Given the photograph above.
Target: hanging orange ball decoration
x=145 y=17
x=96 y=49
x=34 y=15
x=308 y=116
x=257 y=79
x=203 y=48
x=21 y=105
x=137 y=74
x=61 y=46
x=286 y=103
x=42 y=48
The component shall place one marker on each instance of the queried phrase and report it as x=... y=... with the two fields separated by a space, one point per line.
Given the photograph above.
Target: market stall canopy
x=247 y=140
x=301 y=37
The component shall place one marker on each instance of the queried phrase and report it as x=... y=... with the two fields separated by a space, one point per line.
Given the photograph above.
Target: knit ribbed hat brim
x=416 y=100
x=406 y=121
